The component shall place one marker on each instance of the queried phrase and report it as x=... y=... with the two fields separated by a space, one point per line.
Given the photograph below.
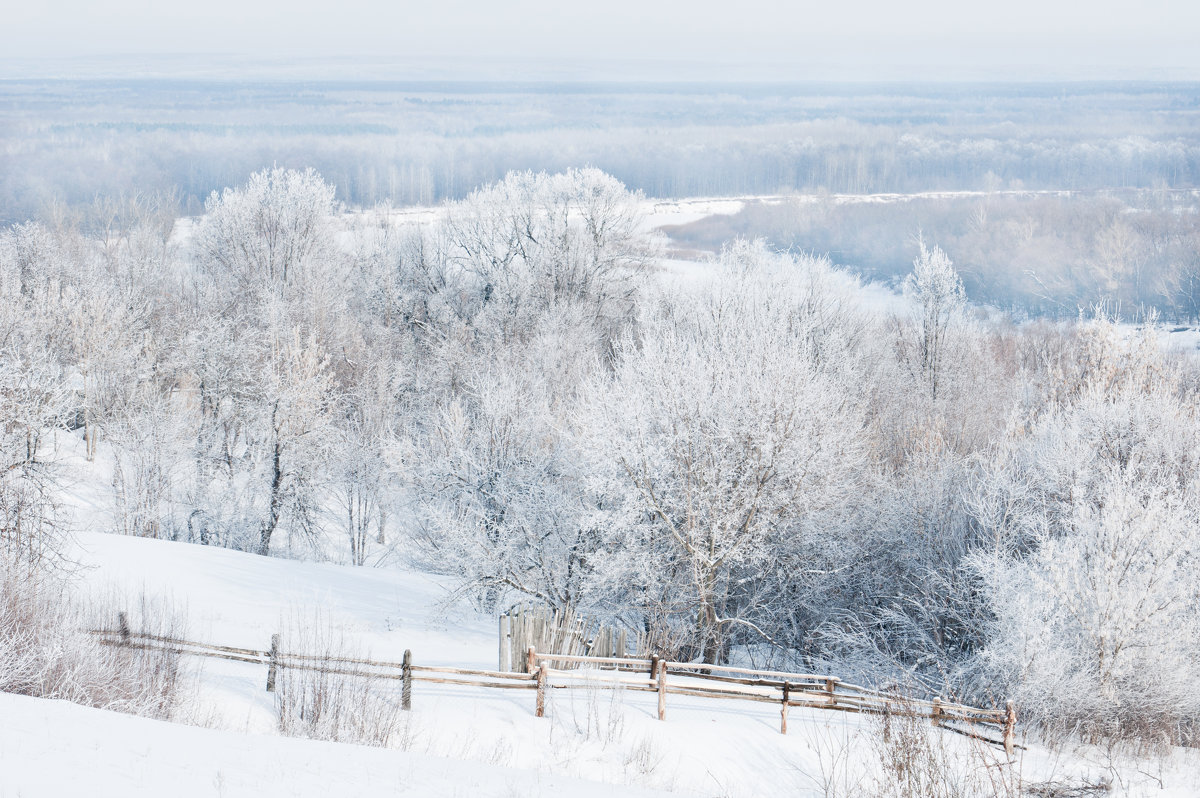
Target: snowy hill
x=457 y=741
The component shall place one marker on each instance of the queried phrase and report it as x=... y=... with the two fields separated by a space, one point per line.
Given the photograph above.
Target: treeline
x=1053 y=256
x=748 y=461
x=68 y=142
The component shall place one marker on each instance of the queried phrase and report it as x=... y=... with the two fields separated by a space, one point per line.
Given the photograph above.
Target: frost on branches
x=744 y=459
x=1094 y=573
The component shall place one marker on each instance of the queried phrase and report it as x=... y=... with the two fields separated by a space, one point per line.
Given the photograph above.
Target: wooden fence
x=660 y=676
x=559 y=632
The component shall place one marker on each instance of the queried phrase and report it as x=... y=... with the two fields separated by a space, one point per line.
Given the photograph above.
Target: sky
x=702 y=38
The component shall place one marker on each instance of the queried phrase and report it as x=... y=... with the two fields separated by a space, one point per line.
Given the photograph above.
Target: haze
x=758 y=39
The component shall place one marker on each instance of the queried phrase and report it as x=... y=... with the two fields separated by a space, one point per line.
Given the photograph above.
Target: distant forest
x=67 y=142
x=1057 y=255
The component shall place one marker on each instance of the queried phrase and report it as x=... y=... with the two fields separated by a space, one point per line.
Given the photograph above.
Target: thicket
x=1035 y=255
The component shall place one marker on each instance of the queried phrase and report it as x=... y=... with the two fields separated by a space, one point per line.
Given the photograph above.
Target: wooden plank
x=792 y=677
x=179 y=642
x=774 y=683
x=662 y=690
x=590 y=678
x=633 y=688
x=468 y=672
x=1010 y=727
x=526 y=685
x=406 y=674
x=599 y=660
x=701 y=693
x=541 y=692
x=274 y=663
x=505 y=655
x=215 y=655
x=976 y=736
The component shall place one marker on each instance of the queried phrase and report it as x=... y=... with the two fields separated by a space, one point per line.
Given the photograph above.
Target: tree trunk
x=276 y=500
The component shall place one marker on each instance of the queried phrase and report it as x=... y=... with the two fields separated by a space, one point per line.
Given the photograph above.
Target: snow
x=50 y=749
x=459 y=741
x=238 y=599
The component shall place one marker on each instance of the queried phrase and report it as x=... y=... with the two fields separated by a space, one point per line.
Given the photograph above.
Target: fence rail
x=660 y=676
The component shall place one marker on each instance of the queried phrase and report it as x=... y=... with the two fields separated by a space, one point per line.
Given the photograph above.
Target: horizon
x=867 y=40
x=220 y=67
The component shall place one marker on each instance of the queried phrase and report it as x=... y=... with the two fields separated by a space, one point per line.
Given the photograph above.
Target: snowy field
x=457 y=741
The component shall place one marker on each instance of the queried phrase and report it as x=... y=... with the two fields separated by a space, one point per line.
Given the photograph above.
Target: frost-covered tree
x=273 y=232
x=499 y=493
x=535 y=241
x=1093 y=570
x=296 y=410
x=511 y=304
x=937 y=291
x=724 y=431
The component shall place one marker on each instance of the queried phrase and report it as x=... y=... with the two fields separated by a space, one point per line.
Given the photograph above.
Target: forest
x=1045 y=254
x=68 y=141
x=744 y=460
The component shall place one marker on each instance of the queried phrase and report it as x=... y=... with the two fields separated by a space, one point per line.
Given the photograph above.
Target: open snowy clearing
x=52 y=748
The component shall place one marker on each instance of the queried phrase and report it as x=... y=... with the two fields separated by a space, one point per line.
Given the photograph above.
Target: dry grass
x=920 y=761
x=321 y=705
x=913 y=759
x=46 y=651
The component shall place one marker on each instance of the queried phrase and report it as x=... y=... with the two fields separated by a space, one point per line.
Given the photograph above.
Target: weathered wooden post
x=653 y=667
x=830 y=684
x=273 y=663
x=1010 y=726
x=541 y=690
x=936 y=714
x=531 y=660
x=406 y=680
x=784 y=709
x=123 y=626
x=505 y=644
x=662 y=689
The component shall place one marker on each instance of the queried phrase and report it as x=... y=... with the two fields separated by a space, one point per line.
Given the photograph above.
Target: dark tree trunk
x=276 y=500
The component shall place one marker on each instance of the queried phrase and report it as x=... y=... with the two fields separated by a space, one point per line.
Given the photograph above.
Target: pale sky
x=1100 y=38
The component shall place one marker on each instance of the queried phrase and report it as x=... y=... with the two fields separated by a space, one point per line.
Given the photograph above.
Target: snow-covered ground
x=51 y=749
x=457 y=741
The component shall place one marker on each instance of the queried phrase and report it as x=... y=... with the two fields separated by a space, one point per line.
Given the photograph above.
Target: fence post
x=530 y=660
x=406 y=680
x=505 y=644
x=274 y=663
x=1010 y=726
x=936 y=714
x=541 y=690
x=653 y=667
x=830 y=683
x=123 y=626
x=783 y=710
x=662 y=689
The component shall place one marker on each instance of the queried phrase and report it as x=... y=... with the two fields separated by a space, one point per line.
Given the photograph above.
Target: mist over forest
x=1050 y=254
x=1122 y=158
x=424 y=142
